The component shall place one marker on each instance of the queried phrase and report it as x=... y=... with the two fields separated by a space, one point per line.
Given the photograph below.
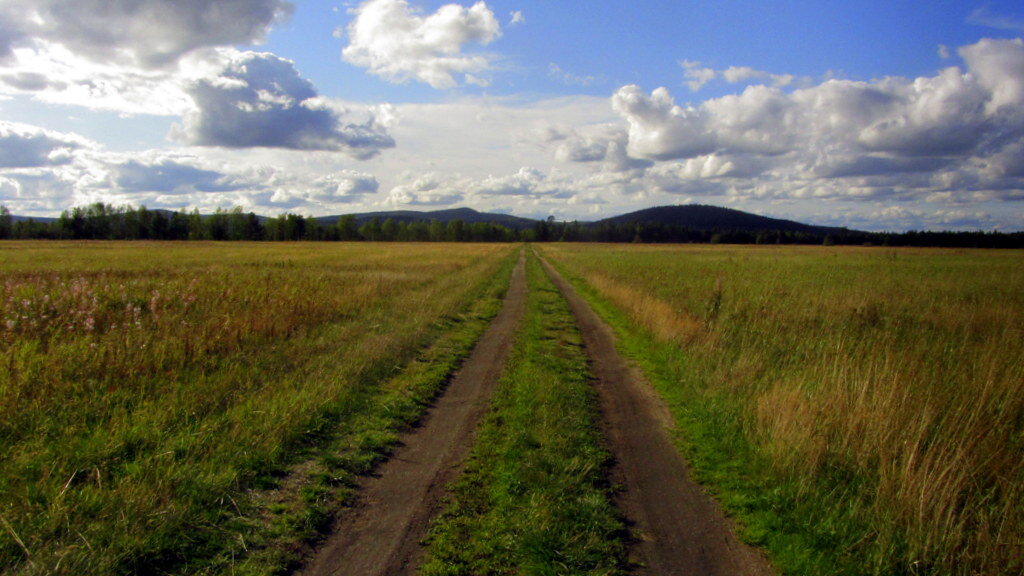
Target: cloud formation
x=429 y=189
x=260 y=100
x=957 y=133
x=391 y=40
x=23 y=146
x=167 y=175
x=697 y=75
x=142 y=33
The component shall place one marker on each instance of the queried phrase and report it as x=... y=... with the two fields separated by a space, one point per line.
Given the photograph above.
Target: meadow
x=153 y=394
x=860 y=410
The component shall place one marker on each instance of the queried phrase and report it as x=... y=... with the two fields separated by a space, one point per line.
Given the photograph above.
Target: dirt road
x=681 y=530
x=381 y=535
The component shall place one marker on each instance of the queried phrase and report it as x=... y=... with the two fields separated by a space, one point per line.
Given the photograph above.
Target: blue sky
x=876 y=115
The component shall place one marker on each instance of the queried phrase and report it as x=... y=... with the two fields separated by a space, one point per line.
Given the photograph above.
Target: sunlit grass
x=147 y=387
x=862 y=407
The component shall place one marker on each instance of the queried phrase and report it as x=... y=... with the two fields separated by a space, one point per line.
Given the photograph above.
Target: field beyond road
x=860 y=410
x=150 y=392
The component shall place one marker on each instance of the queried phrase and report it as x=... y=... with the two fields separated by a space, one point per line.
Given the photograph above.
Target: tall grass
x=148 y=387
x=872 y=397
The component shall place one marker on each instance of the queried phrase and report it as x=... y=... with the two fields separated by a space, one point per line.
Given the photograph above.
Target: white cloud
x=740 y=74
x=696 y=74
x=660 y=130
x=983 y=16
x=555 y=72
x=525 y=182
x=391 y=40
x=429 y=189
x=516 y=17
x=999 y=68
x=52 y=73
x=139 y=33
x=24 y=146
x=954 y=137
x=259 y=100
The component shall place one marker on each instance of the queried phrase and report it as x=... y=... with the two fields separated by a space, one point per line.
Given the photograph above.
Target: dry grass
x=886 y=386
x=146 y=386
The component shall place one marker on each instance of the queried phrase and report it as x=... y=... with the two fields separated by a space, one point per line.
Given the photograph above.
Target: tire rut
x=679 y=529
x=381 y=534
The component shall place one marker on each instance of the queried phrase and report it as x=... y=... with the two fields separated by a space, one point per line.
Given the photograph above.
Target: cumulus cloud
x=144 y=33
x=604 y=143
x=427 y=190
x=525 y=182
x=516 y=17
x=129 y=56
x=169 y=176
x=880 y=126
x=260 y=100
x=698 y=76
x=343 y=186
x=955 y=137
x=24 y=146
x=998 y=66
x=393 y=41
x=9 y=34
x=660 y=130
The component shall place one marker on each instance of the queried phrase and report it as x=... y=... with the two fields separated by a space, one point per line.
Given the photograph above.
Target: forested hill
x=701 y=217
x=675 y=224
x=466 y=215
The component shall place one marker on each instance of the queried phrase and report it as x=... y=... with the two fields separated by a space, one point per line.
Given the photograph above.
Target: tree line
x=106 y=222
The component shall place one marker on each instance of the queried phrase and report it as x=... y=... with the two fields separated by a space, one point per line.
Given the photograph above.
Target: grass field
x=152 y=392
x=861 y=410
x=200 y=408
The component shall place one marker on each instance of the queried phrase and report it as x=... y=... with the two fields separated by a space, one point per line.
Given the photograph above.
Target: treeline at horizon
x=106 y=222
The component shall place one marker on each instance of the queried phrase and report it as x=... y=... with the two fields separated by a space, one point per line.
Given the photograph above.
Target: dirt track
x=680 y=529
x=382 y=534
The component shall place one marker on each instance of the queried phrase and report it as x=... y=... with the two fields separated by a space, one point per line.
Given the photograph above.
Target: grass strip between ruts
x=534 y=497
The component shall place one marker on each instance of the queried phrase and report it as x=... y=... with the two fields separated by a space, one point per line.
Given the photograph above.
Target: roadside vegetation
x=859 y=410
x=154 y=397
x=534 y=497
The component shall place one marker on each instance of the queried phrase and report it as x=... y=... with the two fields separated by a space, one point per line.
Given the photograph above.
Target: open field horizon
x=858 y=410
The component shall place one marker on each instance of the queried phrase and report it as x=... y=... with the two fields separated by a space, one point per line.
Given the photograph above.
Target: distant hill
x=701 y=217
x=39 y=219
x=467 y=215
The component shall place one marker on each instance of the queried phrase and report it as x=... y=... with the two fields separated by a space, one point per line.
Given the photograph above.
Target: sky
x=875 y=115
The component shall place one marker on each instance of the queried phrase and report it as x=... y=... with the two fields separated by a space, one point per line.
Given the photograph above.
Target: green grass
x=534 y=498
x=156 y=395
x=859 y=410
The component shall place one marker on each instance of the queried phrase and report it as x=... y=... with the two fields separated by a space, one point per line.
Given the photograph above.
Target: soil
x=381 y=534
x=678 y=528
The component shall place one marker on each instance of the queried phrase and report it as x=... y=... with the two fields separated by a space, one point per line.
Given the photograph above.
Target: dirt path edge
x=381 y=534
x=679 y=529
